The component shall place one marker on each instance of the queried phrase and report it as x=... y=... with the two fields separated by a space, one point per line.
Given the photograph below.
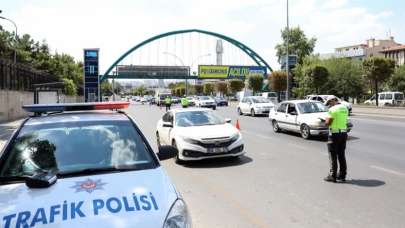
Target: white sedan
x=304 y=116
x=254 y=105
x=199 y=134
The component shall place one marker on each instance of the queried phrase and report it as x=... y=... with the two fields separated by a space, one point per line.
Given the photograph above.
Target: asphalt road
x=279 y=181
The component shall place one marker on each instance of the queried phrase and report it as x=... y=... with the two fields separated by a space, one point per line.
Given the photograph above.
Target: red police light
x=63 y=107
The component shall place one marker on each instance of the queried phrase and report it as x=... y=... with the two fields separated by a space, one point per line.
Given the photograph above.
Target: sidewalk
x=380 y=111
x=6 y=130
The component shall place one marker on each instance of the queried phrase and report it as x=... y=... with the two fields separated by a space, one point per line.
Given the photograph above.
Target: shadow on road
x=365 y=183
x=218 y=162
x=351 y=138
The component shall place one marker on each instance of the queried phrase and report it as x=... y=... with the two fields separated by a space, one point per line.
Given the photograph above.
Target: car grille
x=216 y=142
x=196 y=154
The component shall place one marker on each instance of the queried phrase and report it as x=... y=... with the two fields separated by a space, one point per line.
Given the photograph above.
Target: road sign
x=91 y=76
x=229 y=72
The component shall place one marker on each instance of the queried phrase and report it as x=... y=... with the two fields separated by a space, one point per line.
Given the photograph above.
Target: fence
x=21 y=77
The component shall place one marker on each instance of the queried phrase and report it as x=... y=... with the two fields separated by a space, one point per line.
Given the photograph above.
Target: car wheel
x=240 y=112
x=158 y=139
x=214 y=108
x=177 y=159
x=252 y=112
x=305 y=131
x=276 y=128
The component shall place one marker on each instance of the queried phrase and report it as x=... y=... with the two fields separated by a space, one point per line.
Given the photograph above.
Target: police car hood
x=208 y=131
x=127 y=199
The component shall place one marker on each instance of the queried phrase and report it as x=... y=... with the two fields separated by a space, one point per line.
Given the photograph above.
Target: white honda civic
x=199 y=134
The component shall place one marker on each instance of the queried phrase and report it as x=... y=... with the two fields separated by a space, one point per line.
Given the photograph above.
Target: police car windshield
x=197 y=118
x=312 y=107
x=72 y=146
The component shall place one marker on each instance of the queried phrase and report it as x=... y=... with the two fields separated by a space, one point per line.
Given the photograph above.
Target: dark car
x=221 y=101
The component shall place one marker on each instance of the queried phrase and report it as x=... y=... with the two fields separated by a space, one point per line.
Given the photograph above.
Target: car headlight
x=190 y=140
x=178 y=216
x=235 y=137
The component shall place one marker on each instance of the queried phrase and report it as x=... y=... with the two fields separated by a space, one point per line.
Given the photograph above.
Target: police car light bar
x=64 y=107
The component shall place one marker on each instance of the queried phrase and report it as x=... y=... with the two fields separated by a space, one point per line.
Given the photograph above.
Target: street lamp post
x=15 y=38
x=287 y=95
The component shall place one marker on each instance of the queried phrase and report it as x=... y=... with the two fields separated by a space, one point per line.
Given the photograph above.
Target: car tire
x=240 y=112
x=158 y=140
x=276 y=128
x=305 y=131
x=177 y=159
x=214 y=108
x=252 y=113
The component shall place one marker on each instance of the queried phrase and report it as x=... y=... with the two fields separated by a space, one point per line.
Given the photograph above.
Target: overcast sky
x=115 y=26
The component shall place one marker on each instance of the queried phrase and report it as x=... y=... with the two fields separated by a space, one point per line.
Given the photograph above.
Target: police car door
x=291 y=117
x=167 y=126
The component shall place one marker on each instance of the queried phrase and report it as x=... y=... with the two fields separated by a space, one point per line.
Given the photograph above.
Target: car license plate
x=217 y=150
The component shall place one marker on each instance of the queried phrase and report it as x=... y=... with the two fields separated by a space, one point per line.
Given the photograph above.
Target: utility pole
x=287 y=68
x=15 y=38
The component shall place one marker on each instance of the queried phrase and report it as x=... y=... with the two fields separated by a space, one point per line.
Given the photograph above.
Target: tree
x=255 y=83
x=198 y=89
x=222 y=87
x=278 y=81
x=299 y=44
x=236 y=85
x=397 y=82
x=378 y=70
x=208 y=88
x=69 y=87
x=106 y=88
x=318 y=75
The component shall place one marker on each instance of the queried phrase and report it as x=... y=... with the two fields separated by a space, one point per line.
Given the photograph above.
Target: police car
x=68 y=166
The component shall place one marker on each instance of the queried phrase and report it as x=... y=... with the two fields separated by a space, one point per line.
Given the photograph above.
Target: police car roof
x=85 y=116
x=299 y=101
x=190 y=109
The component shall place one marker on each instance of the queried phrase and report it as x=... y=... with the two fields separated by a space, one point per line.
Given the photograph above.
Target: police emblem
x=88 y=185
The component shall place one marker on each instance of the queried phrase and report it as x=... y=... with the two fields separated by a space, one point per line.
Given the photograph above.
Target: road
x=278 y=183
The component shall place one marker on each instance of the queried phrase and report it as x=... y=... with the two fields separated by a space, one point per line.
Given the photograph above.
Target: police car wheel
x=252 y=112
x=240 y=112
x=305 y=131
x=276 y=128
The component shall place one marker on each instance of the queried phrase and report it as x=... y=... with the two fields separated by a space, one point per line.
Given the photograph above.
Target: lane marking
x=388 y=170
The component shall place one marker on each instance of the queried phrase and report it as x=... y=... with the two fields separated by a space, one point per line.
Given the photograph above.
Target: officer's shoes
x=329 y=178
x=341 y=179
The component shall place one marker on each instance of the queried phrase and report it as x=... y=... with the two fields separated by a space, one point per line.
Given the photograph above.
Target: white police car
x=85 y=169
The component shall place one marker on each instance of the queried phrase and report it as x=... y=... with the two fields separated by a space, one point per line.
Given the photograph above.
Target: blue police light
x=64 y=107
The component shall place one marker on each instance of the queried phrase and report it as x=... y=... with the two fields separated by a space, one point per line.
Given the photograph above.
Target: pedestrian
x=184 y=102
x=168 y=103
x=337 y=123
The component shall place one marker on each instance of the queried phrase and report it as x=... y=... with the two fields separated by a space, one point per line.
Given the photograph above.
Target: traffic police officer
x=168 y=103
x=184 y=102
x=337 y=122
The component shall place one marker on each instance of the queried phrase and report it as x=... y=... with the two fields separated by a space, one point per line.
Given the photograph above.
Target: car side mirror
x=294 y=113
x=167 y=152
x=167 y=124
x=228 y=120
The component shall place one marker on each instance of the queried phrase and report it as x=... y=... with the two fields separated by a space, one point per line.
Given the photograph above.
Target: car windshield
x=312 y=107
x=205 y=98
x=260 y=100
x=74 y=146
x=197 y=118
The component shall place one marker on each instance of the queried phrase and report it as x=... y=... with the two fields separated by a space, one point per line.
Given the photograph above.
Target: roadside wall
x=11 y=102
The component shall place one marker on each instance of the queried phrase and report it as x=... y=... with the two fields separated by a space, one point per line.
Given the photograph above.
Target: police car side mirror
x=167 y=152
x=41 y=180
x=228 y=120
x=167 y=124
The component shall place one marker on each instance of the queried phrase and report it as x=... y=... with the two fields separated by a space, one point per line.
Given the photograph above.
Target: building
x=370 y=48
x=396 y=53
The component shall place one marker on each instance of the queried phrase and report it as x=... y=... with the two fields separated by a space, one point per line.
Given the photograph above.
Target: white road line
x=388 y=170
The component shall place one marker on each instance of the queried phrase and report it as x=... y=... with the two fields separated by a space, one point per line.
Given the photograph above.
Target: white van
x=387 y=99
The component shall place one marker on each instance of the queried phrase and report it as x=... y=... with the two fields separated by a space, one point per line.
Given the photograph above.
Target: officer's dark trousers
x=336 y=148
x=167 y=107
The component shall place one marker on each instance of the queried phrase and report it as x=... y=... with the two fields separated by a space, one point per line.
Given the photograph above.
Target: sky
x=115 y=26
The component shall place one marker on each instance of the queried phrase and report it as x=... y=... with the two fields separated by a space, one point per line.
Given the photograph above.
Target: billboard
x=91 y=77
x=152 y=72
x=229 y=72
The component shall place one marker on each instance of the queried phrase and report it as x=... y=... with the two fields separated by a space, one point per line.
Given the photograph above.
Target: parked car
x=199 y=134
x=191 y=101
x=387 y=99
x=254 y=105
x=323 y=98
x=221 y=101
x=206 y=102
x=303 y=116
x=272 y=96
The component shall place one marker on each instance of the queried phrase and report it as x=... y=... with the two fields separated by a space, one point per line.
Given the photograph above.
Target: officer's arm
x=328 y=121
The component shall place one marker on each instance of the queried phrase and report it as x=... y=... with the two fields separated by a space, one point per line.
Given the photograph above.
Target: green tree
x=222 y=88
x=299 y=44
x=198 y=89
x=69 y=87
x=319 y=77
x=255 y=83
x=397 y=82
x=236 y=85
x=278 y=82
x=106 y=88
x=208 y=88
x=378 y=70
